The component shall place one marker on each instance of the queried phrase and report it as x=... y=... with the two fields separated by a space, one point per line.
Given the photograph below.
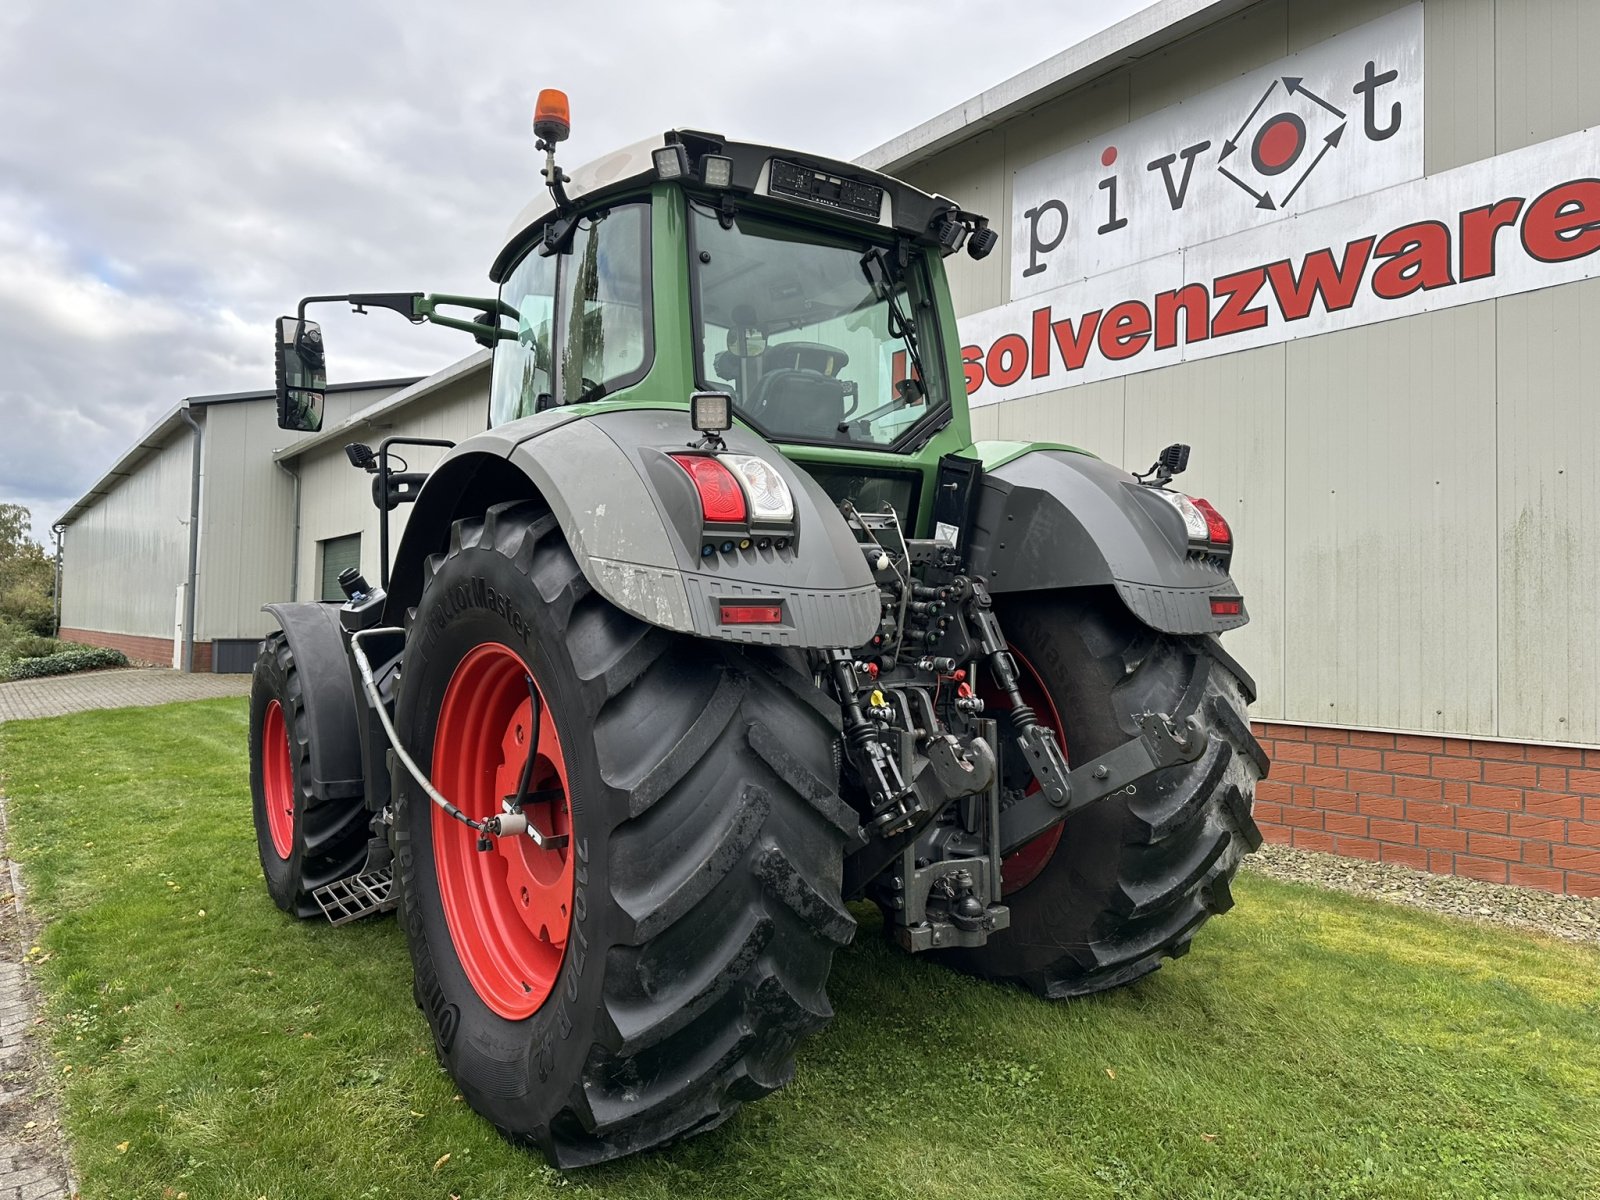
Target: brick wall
x=152 y=650
x=1507 y=812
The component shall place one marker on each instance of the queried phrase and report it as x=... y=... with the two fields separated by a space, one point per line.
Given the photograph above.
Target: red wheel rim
x=277 y=779
x=1023 y=865
x=509 y=909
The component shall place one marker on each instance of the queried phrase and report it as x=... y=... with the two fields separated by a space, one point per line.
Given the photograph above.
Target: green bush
x=77 y=658
x=31 y=645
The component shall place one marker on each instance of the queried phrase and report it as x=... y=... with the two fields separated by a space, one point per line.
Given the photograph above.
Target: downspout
x=294 y=549
x=58 y=531
x=194 y=542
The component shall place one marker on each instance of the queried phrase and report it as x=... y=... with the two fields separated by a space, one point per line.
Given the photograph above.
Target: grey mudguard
x=632 y=519
x=1055 y=519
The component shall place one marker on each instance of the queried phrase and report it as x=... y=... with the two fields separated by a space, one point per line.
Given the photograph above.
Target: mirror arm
x=427 y=309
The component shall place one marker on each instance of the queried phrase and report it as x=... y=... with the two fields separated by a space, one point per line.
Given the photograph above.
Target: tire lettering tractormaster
x=724 y=622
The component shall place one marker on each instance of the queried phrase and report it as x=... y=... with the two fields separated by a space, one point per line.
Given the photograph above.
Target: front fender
x=632 y=520
x=317 y=643
x=1056 y=519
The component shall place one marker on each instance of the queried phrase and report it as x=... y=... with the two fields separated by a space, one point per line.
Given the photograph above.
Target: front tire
x=1102 y=899
x=304 y=841
x=698 y=787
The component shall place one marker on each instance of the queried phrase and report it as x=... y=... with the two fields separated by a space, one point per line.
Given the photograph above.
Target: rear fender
x=1057 y=519
x=632 y=520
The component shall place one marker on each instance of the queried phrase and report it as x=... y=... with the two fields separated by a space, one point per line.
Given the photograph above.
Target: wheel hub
x=277 y=779
x=508 y=908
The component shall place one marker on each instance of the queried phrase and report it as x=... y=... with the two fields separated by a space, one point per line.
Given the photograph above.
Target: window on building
x=338 y=554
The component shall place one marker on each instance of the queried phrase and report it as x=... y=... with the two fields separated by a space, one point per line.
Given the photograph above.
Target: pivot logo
x=1336 y=121
x=1279 y=132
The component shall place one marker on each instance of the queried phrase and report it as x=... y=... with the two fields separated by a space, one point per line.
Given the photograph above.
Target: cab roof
x=783 y=177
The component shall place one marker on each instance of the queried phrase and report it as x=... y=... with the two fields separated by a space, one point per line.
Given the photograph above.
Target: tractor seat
x=798 y=402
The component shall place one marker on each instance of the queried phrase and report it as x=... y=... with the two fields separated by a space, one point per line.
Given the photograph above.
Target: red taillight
x=721 y=497
x=752 y=614
x=1217 y=531
x=1227 y=606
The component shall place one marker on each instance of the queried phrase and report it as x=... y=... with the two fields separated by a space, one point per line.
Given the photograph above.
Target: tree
x=27 y=576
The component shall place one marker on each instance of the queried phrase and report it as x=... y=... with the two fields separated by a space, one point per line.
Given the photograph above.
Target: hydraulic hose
x=504 y=825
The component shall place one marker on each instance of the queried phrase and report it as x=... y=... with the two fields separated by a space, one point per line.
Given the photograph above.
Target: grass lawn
x=1314 y=1044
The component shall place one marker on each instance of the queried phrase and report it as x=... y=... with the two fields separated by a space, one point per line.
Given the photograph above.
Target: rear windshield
x=790 y=326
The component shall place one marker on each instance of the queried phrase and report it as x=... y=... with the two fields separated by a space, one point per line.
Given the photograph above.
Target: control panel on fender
x=820 y=188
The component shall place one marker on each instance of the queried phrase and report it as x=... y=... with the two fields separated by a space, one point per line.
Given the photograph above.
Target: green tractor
x=724 y=623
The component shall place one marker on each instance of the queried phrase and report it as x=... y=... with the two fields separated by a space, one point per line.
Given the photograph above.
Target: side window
x=605 y=311
x=523 y=368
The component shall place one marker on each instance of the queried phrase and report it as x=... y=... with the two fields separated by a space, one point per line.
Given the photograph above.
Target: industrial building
x=171 y=554
x=1347 y=253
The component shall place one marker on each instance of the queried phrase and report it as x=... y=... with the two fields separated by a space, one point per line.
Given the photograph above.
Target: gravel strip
x=1573 y=918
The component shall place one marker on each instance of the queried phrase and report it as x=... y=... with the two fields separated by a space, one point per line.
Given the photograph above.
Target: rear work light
x=1217 y=531
x=721 y=498
x=752 y=614
x=770 y=500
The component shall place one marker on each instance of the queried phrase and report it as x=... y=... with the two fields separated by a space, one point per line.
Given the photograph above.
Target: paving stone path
x=33 y=1160
x=130 y=688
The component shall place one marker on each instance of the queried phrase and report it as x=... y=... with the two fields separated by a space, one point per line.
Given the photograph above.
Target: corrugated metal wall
x=247 y=514
x=1419 y=528
x=126 y=555
x=336 y=498
x=123 y=560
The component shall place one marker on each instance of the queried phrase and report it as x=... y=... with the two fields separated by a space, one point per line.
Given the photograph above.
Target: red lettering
x=972 y=367
x=1564 y=223
x=1008 y=359
x=1237 y=290
x=1125 y=330
x=1320 y=277
x=1074 y=343
x=1419 y=260
x=1478 y=229
x=1195 y=304
x=1041 y=342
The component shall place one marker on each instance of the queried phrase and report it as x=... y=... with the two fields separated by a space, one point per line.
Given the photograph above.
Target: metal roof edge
x=360 y=385
x=152 y=440
x=155 y=438
x=426 y=386
x=1141 y=34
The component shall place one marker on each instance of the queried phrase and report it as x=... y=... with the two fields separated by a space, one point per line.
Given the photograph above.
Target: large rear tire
x=698 y=786
x=304 y=841
x=1128 y=880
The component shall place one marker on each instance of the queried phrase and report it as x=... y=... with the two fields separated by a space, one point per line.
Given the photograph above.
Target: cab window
x=523 y=367
x=581 y=318
x=604 y=311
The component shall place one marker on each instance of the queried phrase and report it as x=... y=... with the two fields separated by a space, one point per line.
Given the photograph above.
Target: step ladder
x=357 y=896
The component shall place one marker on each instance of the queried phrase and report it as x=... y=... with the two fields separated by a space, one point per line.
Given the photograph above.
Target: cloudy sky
x=176 y=173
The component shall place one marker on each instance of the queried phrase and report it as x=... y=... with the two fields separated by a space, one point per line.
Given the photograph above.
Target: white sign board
x=1521 y=221
x=1338 y=120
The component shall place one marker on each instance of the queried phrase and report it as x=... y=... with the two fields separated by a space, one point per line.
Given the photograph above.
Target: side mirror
x=302 y=375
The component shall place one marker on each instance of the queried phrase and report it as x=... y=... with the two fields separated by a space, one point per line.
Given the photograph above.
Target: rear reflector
x=721 y=497
x=1227 y=606
x=752 y=614
x=1217 y=531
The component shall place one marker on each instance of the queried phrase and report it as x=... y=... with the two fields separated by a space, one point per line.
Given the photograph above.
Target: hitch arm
x=1162 y=742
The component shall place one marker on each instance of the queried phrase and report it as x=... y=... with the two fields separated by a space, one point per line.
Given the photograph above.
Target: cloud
x=176 y=174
